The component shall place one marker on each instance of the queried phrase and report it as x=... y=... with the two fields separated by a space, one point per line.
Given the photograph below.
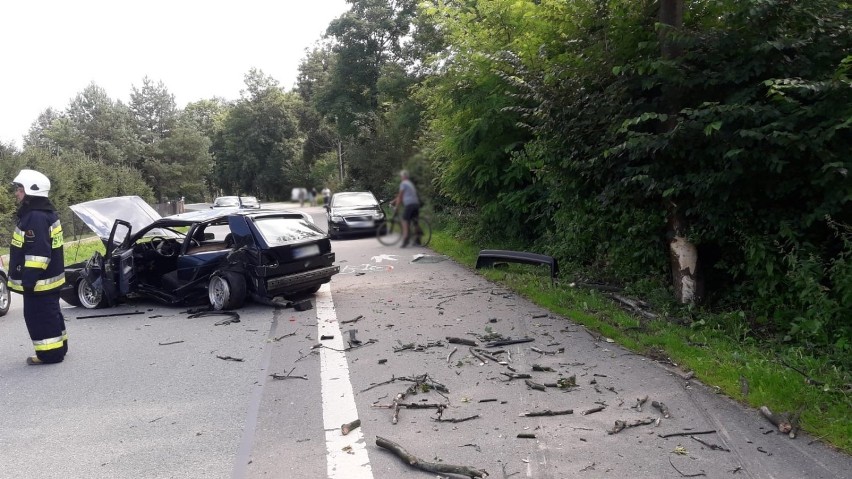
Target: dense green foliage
x=580 y=129
x=564 y=124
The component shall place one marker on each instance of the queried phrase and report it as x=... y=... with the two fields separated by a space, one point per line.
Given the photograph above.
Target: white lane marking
x=346 y=455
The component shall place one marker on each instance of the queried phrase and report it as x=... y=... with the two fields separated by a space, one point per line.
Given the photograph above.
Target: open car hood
x=100 y=215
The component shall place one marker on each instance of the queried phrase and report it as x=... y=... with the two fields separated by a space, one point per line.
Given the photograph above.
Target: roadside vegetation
x=755 y=371
x=694 y=155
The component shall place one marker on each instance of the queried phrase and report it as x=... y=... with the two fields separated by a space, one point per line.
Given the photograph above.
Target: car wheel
x=312 y=290
x=331 y=234
x=226 y=290
x=5 y=296
x=88 y=296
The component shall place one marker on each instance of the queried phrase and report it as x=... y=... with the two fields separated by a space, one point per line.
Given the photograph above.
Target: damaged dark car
x=223 y=257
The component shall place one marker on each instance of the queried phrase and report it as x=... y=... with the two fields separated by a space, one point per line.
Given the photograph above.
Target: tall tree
x=154 y=111
x=101 y=127
x=365 y=41
x=260 y=142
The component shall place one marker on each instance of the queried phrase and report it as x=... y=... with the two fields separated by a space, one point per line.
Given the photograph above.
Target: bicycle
x=390 y=233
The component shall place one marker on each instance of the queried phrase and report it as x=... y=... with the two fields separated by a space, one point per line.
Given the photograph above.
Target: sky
x=51 y=50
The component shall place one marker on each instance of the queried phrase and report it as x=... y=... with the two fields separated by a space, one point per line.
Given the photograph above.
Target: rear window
x=279 y=230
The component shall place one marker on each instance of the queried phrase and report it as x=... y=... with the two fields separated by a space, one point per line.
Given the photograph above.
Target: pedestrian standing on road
x=410 y=201
x=37 y=266
x=326 y=196
x=313 y=196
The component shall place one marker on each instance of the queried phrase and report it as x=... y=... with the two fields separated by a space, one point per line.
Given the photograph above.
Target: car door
x=121 y=257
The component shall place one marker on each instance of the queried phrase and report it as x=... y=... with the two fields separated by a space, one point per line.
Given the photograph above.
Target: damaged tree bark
x=418 y=463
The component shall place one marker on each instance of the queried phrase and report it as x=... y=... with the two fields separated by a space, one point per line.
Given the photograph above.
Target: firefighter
x=37 y=266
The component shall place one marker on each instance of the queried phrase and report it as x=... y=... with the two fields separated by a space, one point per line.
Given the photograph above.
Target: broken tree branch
x=781 y=421
x=356 y=318
x=564 y=383
x=462 y=419
x=808 y=379
x=512 y=376
x=478 y=356
x=702 y=473
x=418 y=463
x=451 y=354
x=688 y=433
x=714 y=447
x=664 y=410
x=534 y=385
x=392 y=379
x=619 y=424
x=488 y=356
x=547 y=412
x=506 y=342
x=350 y=426
x=412 y=405
x=230 y=358
x=287 y=376
x=466 y=342
x=639 y=403
x=593 y=410
x=548 y=353
x=279 y=338
x=632 y=305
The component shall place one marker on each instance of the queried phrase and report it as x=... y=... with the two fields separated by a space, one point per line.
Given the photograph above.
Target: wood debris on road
x=417 y=463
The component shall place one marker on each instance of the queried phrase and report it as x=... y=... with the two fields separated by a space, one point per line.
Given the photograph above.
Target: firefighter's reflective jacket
x=36 y=258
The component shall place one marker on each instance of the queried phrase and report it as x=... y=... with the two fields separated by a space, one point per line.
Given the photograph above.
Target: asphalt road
x=152 y=393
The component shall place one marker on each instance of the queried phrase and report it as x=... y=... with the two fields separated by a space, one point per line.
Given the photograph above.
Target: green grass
x=78 y=251
x=716 y=358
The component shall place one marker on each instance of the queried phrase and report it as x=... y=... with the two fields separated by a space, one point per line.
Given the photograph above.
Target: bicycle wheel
x=389 y=233
x=423 y=231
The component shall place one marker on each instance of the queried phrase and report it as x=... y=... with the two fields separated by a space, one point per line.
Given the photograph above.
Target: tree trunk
x=683 y=254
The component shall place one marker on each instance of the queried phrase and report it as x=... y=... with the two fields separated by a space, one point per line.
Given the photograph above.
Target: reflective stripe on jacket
x=36 y=255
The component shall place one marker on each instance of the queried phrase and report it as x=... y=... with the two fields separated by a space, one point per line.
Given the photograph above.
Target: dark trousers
x=45 y=322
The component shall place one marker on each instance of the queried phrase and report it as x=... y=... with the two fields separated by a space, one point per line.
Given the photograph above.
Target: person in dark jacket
x=37 y=266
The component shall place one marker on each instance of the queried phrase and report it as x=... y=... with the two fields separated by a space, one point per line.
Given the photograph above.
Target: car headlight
x=378 y=215
x=336 y=219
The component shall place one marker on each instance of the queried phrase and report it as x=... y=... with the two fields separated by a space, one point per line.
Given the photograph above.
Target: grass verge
x=755 y=373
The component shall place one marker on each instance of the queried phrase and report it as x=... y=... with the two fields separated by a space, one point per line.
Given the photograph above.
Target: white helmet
x=34 y=183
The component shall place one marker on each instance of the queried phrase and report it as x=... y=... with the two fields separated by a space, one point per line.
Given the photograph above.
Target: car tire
x=226 y=290
x=312 y=290
x=5 y=296
x=331 y=234
x=87 y=296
